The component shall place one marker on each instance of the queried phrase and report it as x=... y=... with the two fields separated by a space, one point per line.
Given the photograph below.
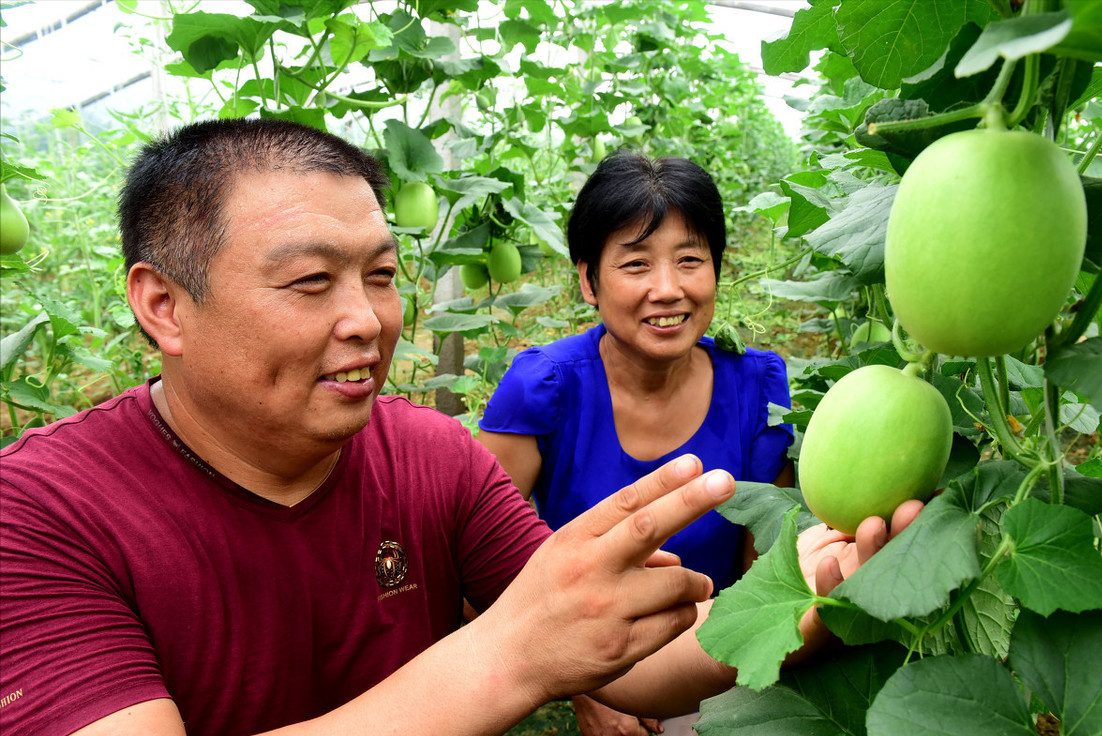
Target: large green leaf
x=761 y=508
x=465 y=323
x=208 y=39
x=812 y=28
x=855 y=236
x=754 y=623
x=1053 y=563
x=900 y=580
x=1084 y=41
x=828 y=697
x=950 y=696
x=1059 y=658
x=410 y=153
x=891 y=40
x=471 y=189
x=1013 y=39
x=542 y=224
x=809 y=207
x=830 y=288
x=14 y=345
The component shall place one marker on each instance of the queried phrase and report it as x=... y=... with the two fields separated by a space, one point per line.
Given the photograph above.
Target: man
x=256 y=539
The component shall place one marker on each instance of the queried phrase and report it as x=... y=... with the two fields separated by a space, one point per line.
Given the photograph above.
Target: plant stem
x=901 y=347
x=944 y=118
x=1029 y=91
x=1090 y=154
x=768 y=269
x=1052 y=415
x=1004 y=385
x=1007 y=440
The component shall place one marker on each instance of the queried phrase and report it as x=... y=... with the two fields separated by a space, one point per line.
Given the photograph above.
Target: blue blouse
x=559 y=393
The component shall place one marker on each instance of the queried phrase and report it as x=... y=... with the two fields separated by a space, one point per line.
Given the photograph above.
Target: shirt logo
x=391 y=564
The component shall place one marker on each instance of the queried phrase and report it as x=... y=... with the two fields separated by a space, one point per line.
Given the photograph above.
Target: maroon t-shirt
x=131 y=570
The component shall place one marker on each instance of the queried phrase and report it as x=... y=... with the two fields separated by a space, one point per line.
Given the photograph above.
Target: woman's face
x=656 y=297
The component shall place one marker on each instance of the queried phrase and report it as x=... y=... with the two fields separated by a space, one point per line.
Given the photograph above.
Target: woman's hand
x=827 y=557
x=595 y=719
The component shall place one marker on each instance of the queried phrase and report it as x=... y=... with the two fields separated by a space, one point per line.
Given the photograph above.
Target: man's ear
x=155 y=300
x=588 y=293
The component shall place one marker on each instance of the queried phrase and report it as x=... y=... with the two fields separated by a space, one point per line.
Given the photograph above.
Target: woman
x=575 y=420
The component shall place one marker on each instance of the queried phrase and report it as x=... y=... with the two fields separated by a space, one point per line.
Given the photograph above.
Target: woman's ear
x=155 y=300
x=588 y=292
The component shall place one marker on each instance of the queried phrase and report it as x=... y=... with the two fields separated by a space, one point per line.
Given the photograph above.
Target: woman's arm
x=518 y=455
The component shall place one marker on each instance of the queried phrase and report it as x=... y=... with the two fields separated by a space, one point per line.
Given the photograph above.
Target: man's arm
x=593 y=600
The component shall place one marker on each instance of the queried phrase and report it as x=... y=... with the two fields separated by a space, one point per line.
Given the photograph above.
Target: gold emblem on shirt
x=391 y=564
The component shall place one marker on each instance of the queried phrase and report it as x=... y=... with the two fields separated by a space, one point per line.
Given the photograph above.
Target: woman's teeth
x=354 y=375
x=667 y=321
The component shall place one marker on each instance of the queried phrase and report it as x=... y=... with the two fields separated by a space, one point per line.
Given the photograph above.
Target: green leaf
x=1091 y=468
x=1014 y=39
x=812 y=28
x=761 y=508
x=208 y=39
x=1085 y=39
x=754 y=623
x=1078 y=367
x=15 y=344
x=1092 y=190
x=1059 y=658
x=808 y=207
x=407 y=350
x=855 y=236
x=891 y=40
x=1082 y=491
x=64 y=320
x=27 y=393
x=900 y=582
x=353 y=39
x=950 y=696
x=471 y=189
x=64 y=118
x=410 y=153
x=518 y=31
x=830 y=289
x=1053 y=563
x=827 y=697
x=529 y=295
x=467 y=247
x=769 y=204
x=447 y=323
x=543 y=224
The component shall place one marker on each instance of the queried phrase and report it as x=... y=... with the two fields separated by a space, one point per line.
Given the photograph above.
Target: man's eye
x=313 y=281
x=383 y=275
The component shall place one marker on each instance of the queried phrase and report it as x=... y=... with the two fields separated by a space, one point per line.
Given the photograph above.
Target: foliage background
x=504 y=108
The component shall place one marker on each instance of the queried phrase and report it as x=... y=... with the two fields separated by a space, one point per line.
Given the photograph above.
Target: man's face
x=294 y=340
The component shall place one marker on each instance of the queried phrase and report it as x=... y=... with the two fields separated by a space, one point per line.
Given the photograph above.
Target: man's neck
x=286 y=483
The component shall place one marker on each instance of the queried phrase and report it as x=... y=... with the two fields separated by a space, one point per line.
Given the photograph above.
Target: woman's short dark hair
x=172 y=207
x=628 y=189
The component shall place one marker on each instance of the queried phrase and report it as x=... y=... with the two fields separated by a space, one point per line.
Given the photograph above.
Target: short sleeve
x=769 y=448
x=527 y=399
x=73 y=650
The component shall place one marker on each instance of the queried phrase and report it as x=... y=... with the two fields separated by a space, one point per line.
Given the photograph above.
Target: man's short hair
x=172 y=207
